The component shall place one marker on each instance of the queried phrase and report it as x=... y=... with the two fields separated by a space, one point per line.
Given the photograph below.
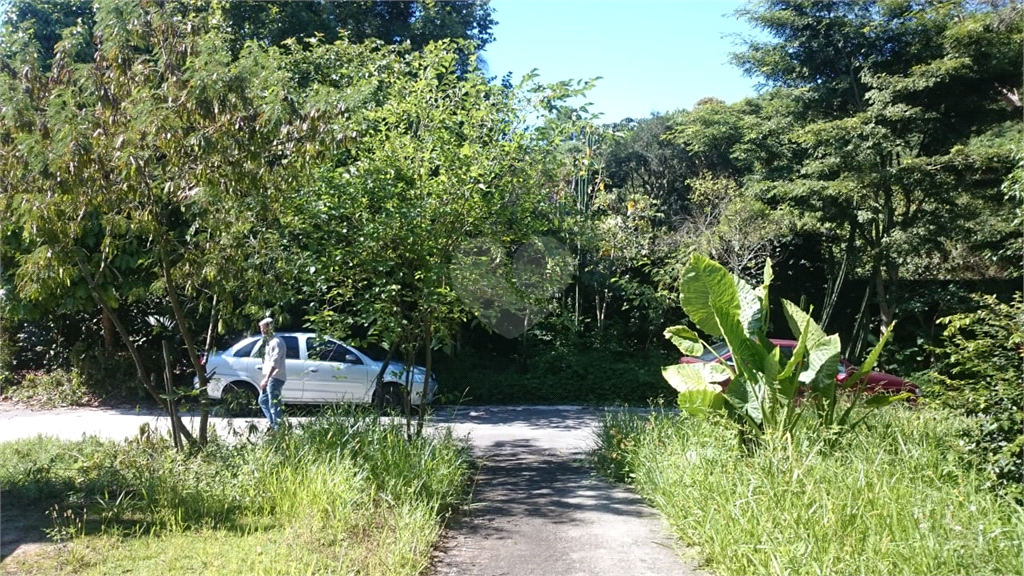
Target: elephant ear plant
x=763 y=388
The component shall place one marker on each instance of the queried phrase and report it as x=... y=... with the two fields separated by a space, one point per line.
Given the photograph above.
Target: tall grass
x=893 y=499
x=342 y=493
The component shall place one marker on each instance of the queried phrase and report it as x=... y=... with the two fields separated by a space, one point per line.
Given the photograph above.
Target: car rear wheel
x=239 y=399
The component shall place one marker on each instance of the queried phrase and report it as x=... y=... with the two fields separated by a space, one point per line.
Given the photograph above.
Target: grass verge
x=896 y=498
x=340 y=494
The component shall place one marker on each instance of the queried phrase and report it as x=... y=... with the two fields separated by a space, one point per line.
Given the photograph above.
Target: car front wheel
x=389 y=398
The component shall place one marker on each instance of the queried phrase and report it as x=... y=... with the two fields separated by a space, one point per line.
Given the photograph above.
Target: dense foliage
x=354 y=152
x=979 y=375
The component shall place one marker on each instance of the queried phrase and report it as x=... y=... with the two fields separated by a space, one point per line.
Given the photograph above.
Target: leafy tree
x=643 y=161
x=47 y=21
x=275 y=22
x=418 y=23
x=150 y=164
x=730 y=225
x=440 y=163
x=901 y=113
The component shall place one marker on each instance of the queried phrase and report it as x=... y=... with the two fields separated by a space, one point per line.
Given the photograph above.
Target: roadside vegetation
x=391 y=189
x=895 y=498
x=342 y=493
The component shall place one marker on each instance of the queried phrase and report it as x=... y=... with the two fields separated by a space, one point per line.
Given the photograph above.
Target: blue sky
x=653 y=56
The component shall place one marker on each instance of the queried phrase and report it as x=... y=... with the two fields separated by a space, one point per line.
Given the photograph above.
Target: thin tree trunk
x=378 y=382
x=410 y=359
x=204 y=399
x=108 y=331
x=186 y=334
x=172 y=408
x=140 y=366
x=854 y=346
x=884 y=308
x=833 y=289
x=426 y=384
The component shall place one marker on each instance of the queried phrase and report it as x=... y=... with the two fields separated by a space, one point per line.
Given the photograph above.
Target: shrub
x=763 y=386
x=979 y=375
x=55 y=389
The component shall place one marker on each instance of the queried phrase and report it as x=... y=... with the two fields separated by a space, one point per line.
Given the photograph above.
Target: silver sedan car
x=320 y=371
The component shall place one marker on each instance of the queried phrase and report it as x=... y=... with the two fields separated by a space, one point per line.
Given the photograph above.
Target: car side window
x=318 y=350
x=332 y=352
x=344 y=352
x=291 y=344
x=322 y=350
x=246 y=351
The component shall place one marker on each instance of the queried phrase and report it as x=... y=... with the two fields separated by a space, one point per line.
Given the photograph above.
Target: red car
x=874 y=382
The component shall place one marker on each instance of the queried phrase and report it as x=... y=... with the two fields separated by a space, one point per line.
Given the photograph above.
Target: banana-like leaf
x=751 y=309
x=872 y=358
x=801 y=322
x=685 y=339
x=746 y=399
x=708 y=292
x=712 y=301
x=700 y=402
x=822 y=365
x=702 y=376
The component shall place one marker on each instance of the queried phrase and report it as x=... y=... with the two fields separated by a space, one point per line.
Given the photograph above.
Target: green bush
x=55 y=389
x=979 y=375
x=107 y=373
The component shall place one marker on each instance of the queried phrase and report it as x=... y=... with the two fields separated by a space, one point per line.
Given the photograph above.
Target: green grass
x=340 y=494
x=894 y=498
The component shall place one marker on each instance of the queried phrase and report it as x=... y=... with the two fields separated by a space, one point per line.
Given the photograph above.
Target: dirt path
x=539 y=511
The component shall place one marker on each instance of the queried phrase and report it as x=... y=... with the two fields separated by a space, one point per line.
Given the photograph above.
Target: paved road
x=537 y=509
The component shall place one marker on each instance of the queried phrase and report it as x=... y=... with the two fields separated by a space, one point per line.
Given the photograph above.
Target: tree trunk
x=186 y=334
x=172 y=408
x=204 y=399
x=426 y=384
x=140 y=366
x=108 y=331
x=885 y=310
x=853 y=347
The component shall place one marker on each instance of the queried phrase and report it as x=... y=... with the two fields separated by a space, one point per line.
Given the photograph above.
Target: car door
x=334 y=373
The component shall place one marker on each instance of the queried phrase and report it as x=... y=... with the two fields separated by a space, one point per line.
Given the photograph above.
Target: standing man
x=274 y=373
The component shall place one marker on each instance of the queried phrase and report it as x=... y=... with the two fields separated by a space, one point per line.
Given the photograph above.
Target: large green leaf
x=745 y=398
x=751 y=301
x=872 y=358
x=709 y=295
x=685 y=339
x=700 y=376
x=711 y=298
x=700 y=402
x=800 y=322
x=822 y=365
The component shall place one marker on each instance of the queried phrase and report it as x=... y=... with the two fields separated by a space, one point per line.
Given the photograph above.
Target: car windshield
x=715 y=352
